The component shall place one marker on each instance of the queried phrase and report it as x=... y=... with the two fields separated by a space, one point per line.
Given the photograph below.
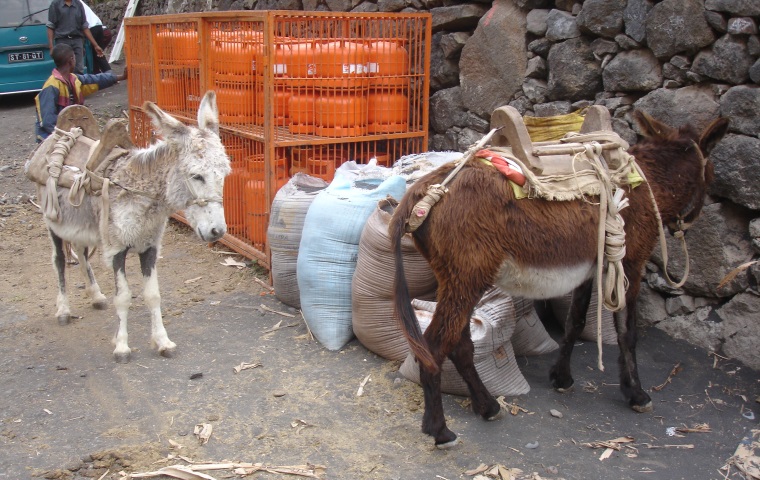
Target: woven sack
x=329 y=249
x=491 y=328
x=288 y=213
x=373 y=283
x=530 y=337
x=542 y=129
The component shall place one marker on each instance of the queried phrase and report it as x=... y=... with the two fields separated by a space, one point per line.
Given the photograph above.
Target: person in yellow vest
x=65 y=88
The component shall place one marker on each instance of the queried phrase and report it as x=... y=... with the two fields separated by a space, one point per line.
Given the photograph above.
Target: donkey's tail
x=403 y=310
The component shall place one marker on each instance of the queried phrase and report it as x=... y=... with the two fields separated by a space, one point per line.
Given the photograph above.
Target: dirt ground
x=68 y=411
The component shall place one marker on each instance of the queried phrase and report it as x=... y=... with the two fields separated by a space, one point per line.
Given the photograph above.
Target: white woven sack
x=530 y=337
x=561 y=307
x=373 y=283
x=328 y=251
x=491 y=328
x=288 y=213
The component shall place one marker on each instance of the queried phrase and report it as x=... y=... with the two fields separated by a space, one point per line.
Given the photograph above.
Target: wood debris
x=231 y=262
x=513 y=408
x=279 y=326
x=195 y=471
x=245 y=366
x=264 y=284
x=698 y=428
x=609 y=446
x=360 y=391
x=299 y=425
x=203 y=432
x=284 y=314
x=498 y=471
x=675 y=371
x=192 y=280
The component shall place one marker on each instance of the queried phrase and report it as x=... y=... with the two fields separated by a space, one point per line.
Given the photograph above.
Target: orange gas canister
x=342 y=65
x=387 y=111
x=339 y=114
x=388 y=63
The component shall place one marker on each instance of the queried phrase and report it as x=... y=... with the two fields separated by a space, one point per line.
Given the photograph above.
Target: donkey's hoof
x=646 y=408
x=122 y=357
x=447 y=445
x=500 y=414
x=168 y=352
x=64 y=319
x=100 y=304
x=565 y=389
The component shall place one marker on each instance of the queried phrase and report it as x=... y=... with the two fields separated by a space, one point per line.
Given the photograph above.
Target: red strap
x=501 y=165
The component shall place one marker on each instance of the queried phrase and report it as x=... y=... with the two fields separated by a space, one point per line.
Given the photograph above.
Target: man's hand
x=99 y=51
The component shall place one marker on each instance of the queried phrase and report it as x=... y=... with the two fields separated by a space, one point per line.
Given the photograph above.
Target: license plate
x=26 y=57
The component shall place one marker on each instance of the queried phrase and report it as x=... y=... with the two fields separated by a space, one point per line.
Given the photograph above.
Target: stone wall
x=679 y=60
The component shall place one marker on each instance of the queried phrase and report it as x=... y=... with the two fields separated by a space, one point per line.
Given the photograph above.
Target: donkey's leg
x=122 y=300
x=99 y=300
x=451 y=317
x=462 y=356
x=625 y=323
x=159 y=338
x=561 y=374
x=63 y=313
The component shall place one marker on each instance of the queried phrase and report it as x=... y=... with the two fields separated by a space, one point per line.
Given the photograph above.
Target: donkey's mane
x=146 y=161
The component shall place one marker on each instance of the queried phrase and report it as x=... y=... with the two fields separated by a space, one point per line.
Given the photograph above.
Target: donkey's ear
x=208 y=113
x=651 y=127
x=712 y=135
x=166 y=125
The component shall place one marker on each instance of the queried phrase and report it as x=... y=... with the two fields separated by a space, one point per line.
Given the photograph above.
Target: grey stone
x=561 y=26
x=533 y=4
x=441 y=143
x=675 y=26
x=753 y=45
x=522 y=104
x=673 y=73
x=486 y=83
x=635 y=16
x=367 y=7
x=626 y=43
x=737 y=170
x=717 y=242
x=536 y=21
x=632 y=70
x=694 y=77
x=672 y=84
x=453 y=43
x=552 y=109
x=623 y=128
x=749 y=8
x=457 y=17
x=680 y=61
x=540 y=46
x=535 y=90
x=742 y=26
x=741 y=329
x=602 y=18
x=444 y=72
x=650 y=307
x=754 y=72
x=446 y=109
x=477 y=123
x=536 y=68
x=574 y=73
x=466 y=138
x=345 y=5
x=742 y=105
x=680 y=305
x=697 y=328
x=754 y=233
x=716 y=21
x=727 y=60
x=695 y=104
x=602 y=47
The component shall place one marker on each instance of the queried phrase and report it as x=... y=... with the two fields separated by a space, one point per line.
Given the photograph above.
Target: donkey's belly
x=542 y=283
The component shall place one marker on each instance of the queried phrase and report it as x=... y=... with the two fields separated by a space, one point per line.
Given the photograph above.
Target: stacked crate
x=296 y=91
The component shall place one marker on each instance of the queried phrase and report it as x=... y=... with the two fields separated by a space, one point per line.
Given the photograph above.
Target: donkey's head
x=686 y=150
x=197 y=181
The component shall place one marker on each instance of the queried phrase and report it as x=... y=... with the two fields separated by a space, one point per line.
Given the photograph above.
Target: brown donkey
x=479 y=235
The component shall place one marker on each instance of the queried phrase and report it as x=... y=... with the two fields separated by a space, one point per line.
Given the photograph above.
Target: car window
x=23 y=12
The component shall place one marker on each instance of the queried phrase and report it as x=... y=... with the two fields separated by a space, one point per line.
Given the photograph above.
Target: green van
x=25 y=61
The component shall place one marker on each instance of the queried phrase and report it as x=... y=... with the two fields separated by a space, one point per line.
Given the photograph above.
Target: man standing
x=67 y=23
x=64 y=88
x=102 y=36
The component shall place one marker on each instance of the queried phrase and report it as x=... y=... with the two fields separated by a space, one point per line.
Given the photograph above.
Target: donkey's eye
x=198 y=178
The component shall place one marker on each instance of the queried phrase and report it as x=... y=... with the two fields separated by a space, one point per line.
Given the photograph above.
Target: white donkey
x=184 y=171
